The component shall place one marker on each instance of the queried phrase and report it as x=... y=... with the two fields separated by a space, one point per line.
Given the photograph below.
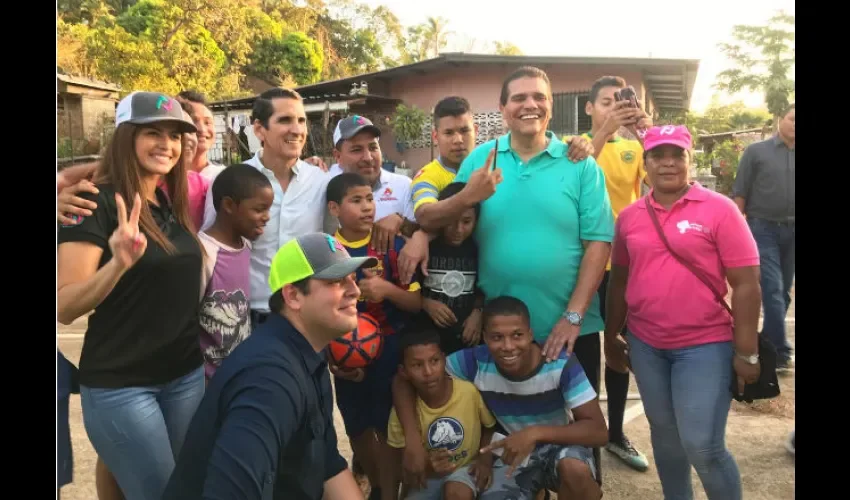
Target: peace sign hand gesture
x=127 y=243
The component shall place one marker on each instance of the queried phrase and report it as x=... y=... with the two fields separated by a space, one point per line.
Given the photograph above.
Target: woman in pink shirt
x=682 y=345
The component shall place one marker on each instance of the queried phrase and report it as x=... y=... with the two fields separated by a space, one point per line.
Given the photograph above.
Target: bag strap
x=682 y=261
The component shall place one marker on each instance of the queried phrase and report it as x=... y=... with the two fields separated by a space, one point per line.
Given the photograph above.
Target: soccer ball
x=360 y=347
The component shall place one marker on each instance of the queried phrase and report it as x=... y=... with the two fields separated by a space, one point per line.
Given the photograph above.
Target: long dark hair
x=121 y=168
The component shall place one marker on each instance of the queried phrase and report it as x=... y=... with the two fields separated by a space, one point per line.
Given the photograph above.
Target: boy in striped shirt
x=549 y=411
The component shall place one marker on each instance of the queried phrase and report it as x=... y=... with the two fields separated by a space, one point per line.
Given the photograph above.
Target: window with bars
x=568 y=116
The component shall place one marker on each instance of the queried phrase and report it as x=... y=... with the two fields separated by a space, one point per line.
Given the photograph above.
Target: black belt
x=258 y=317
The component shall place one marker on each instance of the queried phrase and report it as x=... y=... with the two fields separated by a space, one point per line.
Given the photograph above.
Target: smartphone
x=627 y=94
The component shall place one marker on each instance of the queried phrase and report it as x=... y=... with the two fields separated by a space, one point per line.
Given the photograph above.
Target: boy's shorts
x=434 y=487
x=367 y=404
x=540 y=473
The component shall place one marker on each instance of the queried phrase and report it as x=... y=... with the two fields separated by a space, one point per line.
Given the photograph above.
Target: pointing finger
x=496 y=445
x=491 y=156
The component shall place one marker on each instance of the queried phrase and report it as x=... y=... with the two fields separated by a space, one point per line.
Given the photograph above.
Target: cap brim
x=185 y=126
x=342 y=269
x=682 y=143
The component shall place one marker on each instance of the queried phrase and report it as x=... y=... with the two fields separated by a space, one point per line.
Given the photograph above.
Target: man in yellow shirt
x=621 y=161
x=453 y=420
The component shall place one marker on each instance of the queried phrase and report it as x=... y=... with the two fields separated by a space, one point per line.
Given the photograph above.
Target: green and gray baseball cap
x=313 y=255
x=352 y=125
x=142 y=108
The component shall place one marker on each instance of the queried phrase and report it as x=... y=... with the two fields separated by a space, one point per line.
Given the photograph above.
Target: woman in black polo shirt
x=138 y=266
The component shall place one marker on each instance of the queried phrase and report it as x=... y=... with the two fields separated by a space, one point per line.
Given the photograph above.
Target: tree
x=295 y=57
x=726 y=118
x=506 y=49
x=764 y=60
x=435 y=36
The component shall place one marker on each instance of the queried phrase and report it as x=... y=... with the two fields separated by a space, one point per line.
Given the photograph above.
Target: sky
x=687 y=29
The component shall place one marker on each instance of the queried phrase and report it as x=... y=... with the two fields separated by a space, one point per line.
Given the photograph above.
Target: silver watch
x=573 y=317
x=752 y=359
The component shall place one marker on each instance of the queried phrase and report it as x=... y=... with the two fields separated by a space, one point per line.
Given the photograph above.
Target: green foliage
x=296 y=56
x=506 y=49
x=763 y=60
x=727 y=155
x=211 y=45
x=407 y=123
x=304 y=57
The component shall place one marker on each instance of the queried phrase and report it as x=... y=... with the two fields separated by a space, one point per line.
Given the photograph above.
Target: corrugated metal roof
x=87 y=82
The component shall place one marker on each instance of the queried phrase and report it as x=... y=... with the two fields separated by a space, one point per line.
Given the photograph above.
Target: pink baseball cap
x=676 y=135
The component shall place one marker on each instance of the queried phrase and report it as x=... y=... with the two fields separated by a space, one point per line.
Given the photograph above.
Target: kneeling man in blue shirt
x=264 y=429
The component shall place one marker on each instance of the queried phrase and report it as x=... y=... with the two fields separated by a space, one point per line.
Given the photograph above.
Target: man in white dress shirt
x=280 y=123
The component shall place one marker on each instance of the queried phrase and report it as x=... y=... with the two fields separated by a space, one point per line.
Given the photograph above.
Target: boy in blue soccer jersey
x=549 y=410
x=364 y=396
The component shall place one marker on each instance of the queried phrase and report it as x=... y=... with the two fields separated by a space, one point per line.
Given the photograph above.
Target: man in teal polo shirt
x=545 y=235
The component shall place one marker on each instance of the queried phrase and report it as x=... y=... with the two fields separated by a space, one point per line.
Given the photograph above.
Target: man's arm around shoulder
x=263 y=407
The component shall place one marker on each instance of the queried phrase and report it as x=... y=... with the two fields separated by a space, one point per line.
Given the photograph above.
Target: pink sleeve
x=198 y=186
x=619 y=252
x=733 y=237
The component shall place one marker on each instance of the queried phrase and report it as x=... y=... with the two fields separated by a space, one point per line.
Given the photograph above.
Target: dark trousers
x=776 y=252
x=616 y=383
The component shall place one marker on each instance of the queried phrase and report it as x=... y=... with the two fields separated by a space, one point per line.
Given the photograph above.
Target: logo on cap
x=334 y=244
x=164 y=102
x=359 y=120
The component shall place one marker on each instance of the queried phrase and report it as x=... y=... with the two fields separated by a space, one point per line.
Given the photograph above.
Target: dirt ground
x=756 y=435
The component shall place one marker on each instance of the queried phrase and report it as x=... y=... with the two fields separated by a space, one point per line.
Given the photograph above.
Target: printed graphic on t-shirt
x=225 y=316
x=446 y=432
x=686 y=226
x=452 y=273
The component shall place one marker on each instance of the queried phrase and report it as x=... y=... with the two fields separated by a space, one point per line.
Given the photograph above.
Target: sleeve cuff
x=334 y=466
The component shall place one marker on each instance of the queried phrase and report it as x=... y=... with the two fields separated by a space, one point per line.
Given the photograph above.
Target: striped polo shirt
x=546 y=397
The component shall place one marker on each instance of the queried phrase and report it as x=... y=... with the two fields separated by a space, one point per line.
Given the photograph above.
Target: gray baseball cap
x=142 y=108
x=352 y=125
x=313 y=255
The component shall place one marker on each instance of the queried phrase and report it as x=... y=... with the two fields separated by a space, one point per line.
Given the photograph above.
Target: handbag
x=767 y=385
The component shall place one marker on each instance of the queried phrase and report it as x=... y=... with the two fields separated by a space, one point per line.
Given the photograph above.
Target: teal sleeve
x=596 y=220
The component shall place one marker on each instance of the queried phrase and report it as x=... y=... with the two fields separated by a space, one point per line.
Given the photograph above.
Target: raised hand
x=127 y=243
x=483 y=181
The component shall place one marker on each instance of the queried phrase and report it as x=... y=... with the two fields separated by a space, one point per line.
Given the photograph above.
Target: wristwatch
x=752 y=359
x=573 y=317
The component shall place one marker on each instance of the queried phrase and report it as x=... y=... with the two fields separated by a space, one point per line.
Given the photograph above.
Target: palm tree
x=435 y=36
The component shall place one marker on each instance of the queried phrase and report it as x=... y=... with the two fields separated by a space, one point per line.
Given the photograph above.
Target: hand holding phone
x=627 y=94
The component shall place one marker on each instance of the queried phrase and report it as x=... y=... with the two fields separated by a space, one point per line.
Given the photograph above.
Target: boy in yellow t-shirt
x=453 y=420
x=621 y=160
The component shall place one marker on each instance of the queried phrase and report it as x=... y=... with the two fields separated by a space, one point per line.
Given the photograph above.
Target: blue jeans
x=138 y=431
x=686 y=396
x=776 y=252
